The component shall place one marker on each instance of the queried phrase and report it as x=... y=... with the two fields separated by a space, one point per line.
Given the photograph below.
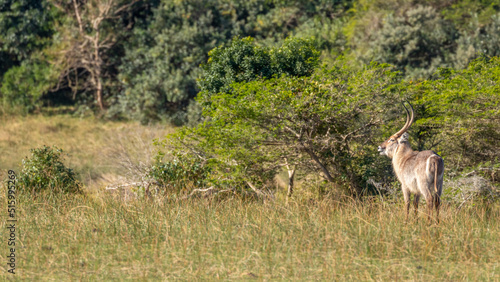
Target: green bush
x=45 y=171
x=180 y=173
x=324 y=125
x=417 y=42
x=240 y=61
x=479 y=39
x=26 y=26
x=23 y=86
x=244 y=61
x=296 y=57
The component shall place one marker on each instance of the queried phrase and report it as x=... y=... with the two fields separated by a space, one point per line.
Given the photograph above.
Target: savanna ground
x=101 y=235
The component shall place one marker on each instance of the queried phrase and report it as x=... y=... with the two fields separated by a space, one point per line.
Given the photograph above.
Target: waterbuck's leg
x=415 y=205
x=406 y=195
x=291 y=175
x=437 y=203
x=430 y=207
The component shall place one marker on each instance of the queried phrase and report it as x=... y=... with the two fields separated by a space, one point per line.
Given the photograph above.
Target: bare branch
x=325 y=171
x=77 y=14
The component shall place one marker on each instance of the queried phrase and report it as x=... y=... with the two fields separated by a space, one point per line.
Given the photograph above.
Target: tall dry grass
x=96 y=149
x=102 y=237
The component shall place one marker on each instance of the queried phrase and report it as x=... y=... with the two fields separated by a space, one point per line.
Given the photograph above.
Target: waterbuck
x=420 y=173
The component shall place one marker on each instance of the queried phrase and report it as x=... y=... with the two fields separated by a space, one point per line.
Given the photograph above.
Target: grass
x=93 y=147
x=101 y=236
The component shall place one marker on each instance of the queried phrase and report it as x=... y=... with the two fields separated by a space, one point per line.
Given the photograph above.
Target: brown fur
x=416 y=171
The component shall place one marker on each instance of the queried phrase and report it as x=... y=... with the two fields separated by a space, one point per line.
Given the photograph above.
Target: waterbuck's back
x=417 y=170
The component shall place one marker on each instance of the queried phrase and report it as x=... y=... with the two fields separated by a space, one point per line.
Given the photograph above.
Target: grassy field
x=100 y=236
x=95 y=149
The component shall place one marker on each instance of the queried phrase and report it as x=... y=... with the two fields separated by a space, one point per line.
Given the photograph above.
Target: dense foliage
x=459 y=113
x=140 y=59
x=266 y=85
x=327 y=124
x=323 y=124
x=45 y=171
x=242 y=61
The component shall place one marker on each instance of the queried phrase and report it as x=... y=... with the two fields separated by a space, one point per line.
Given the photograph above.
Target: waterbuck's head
x=388 y=147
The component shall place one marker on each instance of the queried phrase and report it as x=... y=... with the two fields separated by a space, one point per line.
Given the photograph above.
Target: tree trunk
x=98 y=66
x=291 y=176
x=99 y=93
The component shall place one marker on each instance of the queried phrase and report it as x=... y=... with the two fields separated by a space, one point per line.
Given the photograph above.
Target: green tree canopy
x=26 y=25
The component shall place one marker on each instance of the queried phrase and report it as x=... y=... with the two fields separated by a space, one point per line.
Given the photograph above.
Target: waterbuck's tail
x=436 y=168
x=434 y=162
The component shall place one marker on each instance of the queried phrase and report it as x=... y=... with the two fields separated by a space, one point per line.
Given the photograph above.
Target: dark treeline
x=141 y=60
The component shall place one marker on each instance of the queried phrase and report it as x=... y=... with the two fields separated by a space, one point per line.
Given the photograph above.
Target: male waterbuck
x=420 y=173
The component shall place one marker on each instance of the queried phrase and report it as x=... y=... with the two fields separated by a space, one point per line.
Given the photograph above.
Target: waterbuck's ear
x=405 y=137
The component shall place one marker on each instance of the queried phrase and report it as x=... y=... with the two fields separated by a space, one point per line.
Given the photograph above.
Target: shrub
x=45 y=171
x=323 y=125
x=479 y=40
x=416 y=42
x=178 y=174
x=23 y=86
x=243 y=61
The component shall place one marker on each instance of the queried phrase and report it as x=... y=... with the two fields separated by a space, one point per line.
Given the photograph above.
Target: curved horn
x=412 y=115
x=409 y=120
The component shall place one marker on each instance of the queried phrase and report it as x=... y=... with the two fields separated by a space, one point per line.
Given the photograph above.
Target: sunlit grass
x=103 y=237
x=89 y=143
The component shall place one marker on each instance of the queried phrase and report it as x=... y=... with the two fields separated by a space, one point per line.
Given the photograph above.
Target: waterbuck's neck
x=401 y=154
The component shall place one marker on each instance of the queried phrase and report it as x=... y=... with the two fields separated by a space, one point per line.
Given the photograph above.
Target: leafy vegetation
x=242 y=61
x=24 y=86
x=27 y=26
x=45 y=171
x=329 y=123
x=181 y=174
x=314 y=124
x=271 y=95
x=416 y=42
x=140 y=60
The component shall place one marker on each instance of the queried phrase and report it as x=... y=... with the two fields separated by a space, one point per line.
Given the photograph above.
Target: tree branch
x=325 y=171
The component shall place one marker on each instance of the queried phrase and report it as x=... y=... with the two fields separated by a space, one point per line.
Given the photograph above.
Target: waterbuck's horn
x=409 y=120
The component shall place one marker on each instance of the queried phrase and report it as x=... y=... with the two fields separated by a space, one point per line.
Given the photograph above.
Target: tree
x=317 y=122
x=26 y=25
x=243 y=61
x=417 y=42
x=24 y=85
x=85 y=39
x=478 y=40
